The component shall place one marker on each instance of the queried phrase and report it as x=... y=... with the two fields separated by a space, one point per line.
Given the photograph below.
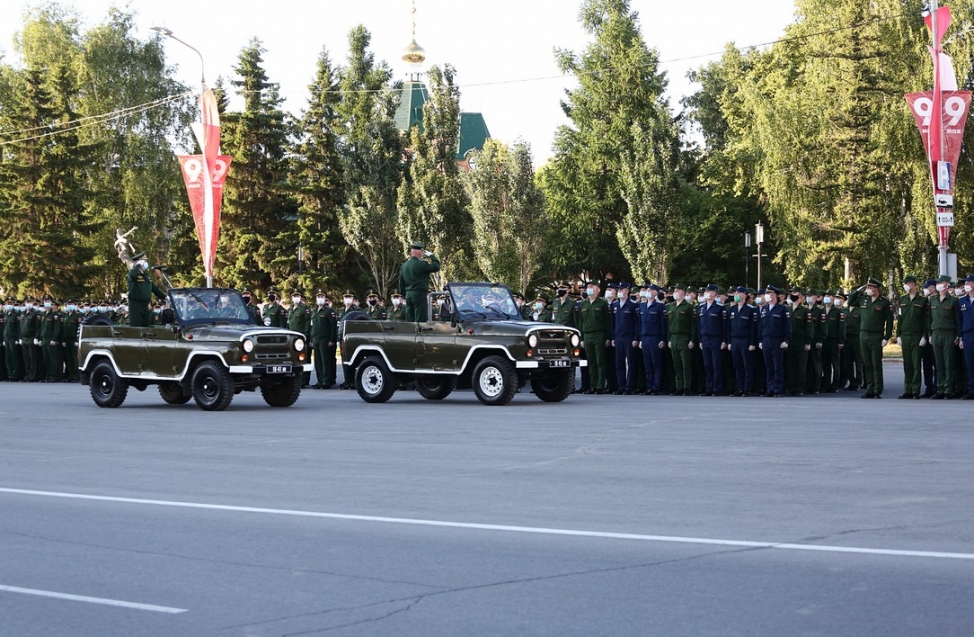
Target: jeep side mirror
x=454 y=319
x=167 y=316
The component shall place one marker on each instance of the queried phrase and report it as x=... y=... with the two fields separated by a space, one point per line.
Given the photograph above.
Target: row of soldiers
x=40 y=340
x=739 y=341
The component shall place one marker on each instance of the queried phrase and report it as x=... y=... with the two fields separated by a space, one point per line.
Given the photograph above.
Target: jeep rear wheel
x=495 y=381
x=107 y=389
x=374 y=382
x=173 y=394
x=436 y=388
x=556 y=385
x=282 y=394
x=212 y=386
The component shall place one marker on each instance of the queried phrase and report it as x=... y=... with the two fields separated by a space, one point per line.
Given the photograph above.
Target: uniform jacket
x=624 y=319
x=652 y=320
x=742 y=322
x=776 y=324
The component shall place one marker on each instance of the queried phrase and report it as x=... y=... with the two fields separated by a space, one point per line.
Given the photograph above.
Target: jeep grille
x=271 y=356
x=272 y=340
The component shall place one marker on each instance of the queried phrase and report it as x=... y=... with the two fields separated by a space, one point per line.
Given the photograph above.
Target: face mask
x=677 y=296
x=123 y=308
x=295 y=299
x=738 y=298
x=768 y=298
x=373 y=301
x=8 y=307
x=810 y=301
x=906 y=288
x=967 y=288
x=271 y=297
x=538 y=306
x=959 y=291
x=623 y=297
x=47 y=304
x=827 y=300
x=589 y=291
x=793 y=298
x=838 y=302
x=347 y=300
x=562 y=292
x=396 y=302
x=927 y=292
x=143 y=264
x=246 y=300
x=609 y=294
x=319 y=301
x=29 y=306
x=157 y=311
x=941 y=287
x=872 y=292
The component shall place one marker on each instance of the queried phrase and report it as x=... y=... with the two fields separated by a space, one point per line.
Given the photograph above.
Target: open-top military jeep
x=476 y=339
x=205 y=347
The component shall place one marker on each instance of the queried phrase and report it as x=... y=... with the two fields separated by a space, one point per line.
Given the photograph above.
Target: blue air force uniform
x=965 y=330
x=712 y=330
x=774 y=329
x=651 y=334
x=742 y=321
x=623 y=323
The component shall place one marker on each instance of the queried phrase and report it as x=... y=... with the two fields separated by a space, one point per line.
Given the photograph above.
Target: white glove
x=885 y=342
x=662 y=345
x=750 y=348
x=730 y=347
x=53 y=343
x=671 y=344
x=690 y=345
x=923 y=341
x=18 y=341
x=427 y=253
x=784 y=345
x=37 y=341
x=808 y=348
x=960 y=343
x=761 y=346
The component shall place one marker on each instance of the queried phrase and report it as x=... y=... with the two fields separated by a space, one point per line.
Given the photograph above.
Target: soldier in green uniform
x=414 y=279
x=141 y=288
x=11 y=339
x=539 y=310
x=563 y=307
x=299 y=320
x=374 y=307
x=397 y=311
x=911 y=330
x=851 y=378
x=52 y=326
x=816 y=315
x=72 y=322
x=875 y=330
x=324 y=339
x=802 y=335
x=943 y=319
x=274 y=314
x=252 y=310
x=593 y=320
x=833 y=342
x=348 y=306
x=681 y=319
x=29 y=341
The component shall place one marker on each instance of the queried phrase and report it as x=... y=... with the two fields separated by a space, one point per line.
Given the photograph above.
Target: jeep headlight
x=299 y=344
x=248 y=345
x=533 y=340
x=575 y=340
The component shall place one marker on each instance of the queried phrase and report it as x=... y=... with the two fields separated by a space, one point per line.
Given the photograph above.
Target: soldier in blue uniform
x=965 y=307
x=742 y=321
x=775 y=332
x=713 y=338
x=623 y=336
x=651 y=335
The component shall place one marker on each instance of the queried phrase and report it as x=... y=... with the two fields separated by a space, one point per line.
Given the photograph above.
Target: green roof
x=410 y=111
x=473 y=133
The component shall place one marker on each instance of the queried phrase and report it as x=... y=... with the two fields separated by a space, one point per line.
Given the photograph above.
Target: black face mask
x=562 y=292
x=271 y=298
x=793 y=297
x=246 y=300
x=373 y=301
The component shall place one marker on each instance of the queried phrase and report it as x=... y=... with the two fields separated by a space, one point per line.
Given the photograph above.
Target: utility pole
x=759 y=239
x=936 y=120
x=747 y=258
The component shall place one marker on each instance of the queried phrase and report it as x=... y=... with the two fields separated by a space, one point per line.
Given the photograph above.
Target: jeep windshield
x=483 y=301
x=207 y=305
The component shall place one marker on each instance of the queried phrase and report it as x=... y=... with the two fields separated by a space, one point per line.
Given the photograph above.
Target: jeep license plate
x=561 y=363
x=278 y=369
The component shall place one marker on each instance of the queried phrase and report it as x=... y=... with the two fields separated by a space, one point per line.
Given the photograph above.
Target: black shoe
x=852 y=388
x=599 y=392
x=316 y=386
x=927 y=394
x=618 y=392
x=968 y=396
x=905 y=396
x=939 y=397
x=868 y=396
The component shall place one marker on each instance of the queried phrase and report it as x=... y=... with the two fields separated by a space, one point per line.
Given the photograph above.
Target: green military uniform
x=833 y=341
x=796 y=356
x=252 y=310
x=414 y=279
x=396 y=311
x=11 y=334
x=274 y=314
x=30 y=322
x=72 y=322
x=681 y=320
x=942 y=319
x=52 y=331
x=594 y=319
x=852 y=353
x=299 y=320
x=540 y=310
x=141 y=288
x=563 y=308
x=324 y=339
x=376 y=310
x=876 y=326
x=911 y=327
x=813 y=370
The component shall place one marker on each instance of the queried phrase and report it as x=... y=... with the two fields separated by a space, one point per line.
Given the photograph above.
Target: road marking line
x=502 y=527
x=92 y=600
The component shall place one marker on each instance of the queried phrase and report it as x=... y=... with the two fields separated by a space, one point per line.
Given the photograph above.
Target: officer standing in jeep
x=414 y=278
x=141 y=289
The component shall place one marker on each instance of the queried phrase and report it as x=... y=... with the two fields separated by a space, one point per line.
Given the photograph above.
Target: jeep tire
x=107 y=389
x=282 y=394
x=436 y=387
x=172 y=393
x=555 y=386
x=374 y=382
x=495 y=381
x=212 y=386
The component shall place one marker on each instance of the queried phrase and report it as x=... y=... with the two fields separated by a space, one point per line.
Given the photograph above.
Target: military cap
x=417 y=245
x=395 y=294
x=679 y=286
x=795 y=288
x=47 y=297
x=297 y=293
x=611 y=285
x=542 y=297
x=772 y=288
x=348 y=293
x=761 y=291
x=711 y=287
x=564 y=286
x=873 y=281
x=271 y=290
x=321 y=292
x=970 y=277
x=944 y=278
x=653 y=286
x=371 y=293
x=909 y=278
x=840 y=294
x=929 y=283
x=54 y=301
x=741 y=289
x=516 y=295
x=10 y=299
x=625 y=286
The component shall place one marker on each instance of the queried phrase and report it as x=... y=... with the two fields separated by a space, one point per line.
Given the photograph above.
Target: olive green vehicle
x=205 y=347
x=476 y=339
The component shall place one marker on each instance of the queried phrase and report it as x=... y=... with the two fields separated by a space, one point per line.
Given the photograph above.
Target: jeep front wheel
x=374 y=381
x=282 y=394
x=436 y=388
x=495 y=381
x=172 y=393
x=556 y=385
x=212 y=386
x=107 y=389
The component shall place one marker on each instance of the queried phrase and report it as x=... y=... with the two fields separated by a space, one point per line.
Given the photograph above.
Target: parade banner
x=198 y=182
x=953 y=115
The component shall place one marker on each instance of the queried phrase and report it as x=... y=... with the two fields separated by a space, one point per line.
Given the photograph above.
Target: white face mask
x=837 y=302
x=959 y=291
x=590 y=291
x=906 y=288
x=295 y=299
x=769 y=298
x=927 y=292
x=609 y=294
x=872 y=292
x=644 y=295
x=347 y=300
x=320 y=301
x=967 y=289
x=142 y=263
x=396 y=301
x=941 y=287
x=678 y=296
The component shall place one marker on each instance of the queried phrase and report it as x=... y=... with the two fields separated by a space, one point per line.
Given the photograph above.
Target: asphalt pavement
x=603 y=515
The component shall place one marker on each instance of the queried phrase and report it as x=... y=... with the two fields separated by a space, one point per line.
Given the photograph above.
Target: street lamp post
x=759 y=239
x=747 y=258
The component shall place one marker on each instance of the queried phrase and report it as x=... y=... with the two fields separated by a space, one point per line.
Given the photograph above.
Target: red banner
x=954 y=117
x=195 y=180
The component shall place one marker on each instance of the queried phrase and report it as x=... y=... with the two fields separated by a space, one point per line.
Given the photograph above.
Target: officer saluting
x=775 y=331
x=414 y=278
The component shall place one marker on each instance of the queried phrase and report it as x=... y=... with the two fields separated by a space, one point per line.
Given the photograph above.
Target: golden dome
x=414 y=54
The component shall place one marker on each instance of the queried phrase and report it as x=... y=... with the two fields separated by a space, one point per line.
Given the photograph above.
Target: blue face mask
x=47 y=304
